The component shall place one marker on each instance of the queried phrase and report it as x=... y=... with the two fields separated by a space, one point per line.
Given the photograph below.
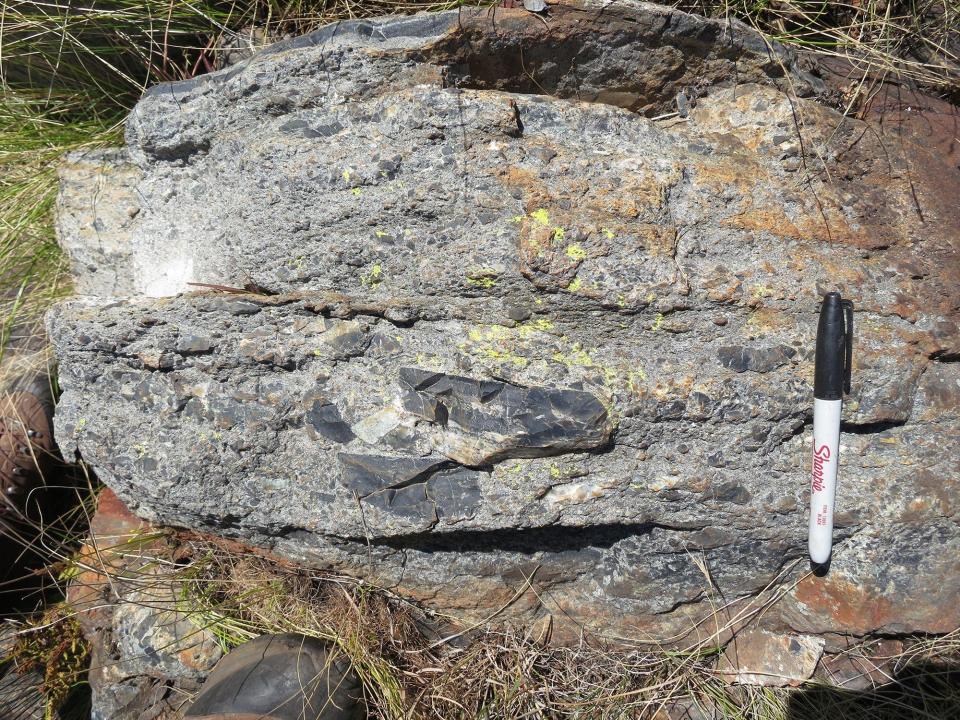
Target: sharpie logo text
x=820 y=456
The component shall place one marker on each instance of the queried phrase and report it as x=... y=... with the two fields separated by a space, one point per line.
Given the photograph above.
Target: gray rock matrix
x=510 y=344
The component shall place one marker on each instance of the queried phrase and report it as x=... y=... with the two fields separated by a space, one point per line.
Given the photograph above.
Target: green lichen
x=576 y=252
x=575 y=285
x=657 y=322
x=558 y=233
x=608 y=233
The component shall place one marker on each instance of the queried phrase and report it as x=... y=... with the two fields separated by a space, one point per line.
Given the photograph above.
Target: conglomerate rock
x=530 y=351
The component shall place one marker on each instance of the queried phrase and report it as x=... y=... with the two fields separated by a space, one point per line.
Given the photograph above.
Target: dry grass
x=417 y=665
x=915 y=41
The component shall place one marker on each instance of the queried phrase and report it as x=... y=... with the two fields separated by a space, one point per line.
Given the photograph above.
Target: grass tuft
x=917 y=41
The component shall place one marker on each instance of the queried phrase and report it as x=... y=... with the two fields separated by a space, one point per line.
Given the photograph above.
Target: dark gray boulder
x=531 y=349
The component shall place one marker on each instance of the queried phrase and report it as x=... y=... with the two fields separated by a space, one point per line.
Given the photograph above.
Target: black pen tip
x=821 y=569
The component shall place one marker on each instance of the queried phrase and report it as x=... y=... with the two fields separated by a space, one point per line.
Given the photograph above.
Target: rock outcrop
x=507 y=344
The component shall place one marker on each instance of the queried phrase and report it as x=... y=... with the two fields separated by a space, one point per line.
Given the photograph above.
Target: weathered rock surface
x=531 y=339
x=759 y=657
x=146 y=656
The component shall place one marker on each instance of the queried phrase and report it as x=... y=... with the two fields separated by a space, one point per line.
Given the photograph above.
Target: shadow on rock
x=33 y=546
x=922 y=689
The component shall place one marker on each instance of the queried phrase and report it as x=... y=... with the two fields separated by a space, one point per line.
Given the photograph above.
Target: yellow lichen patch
x=374 y=277
x=482 y=277
x=760 y=291
x=541 y=216
x=426 y=360
x=575 y=285
x=541 y=324
x=576 y=252
x=494 y=343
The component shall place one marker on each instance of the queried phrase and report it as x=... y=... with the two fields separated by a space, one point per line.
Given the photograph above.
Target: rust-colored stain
x=849 y=605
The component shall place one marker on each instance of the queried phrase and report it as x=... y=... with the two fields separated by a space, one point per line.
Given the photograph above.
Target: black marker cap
x=831 y=374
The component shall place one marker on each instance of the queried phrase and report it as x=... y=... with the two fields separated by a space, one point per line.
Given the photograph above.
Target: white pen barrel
x=823 y=482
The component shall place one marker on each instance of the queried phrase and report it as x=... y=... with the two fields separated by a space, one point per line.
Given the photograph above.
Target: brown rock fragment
x=859 y=669
x=759 y=657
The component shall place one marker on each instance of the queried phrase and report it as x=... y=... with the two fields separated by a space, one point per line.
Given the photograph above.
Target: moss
x=54 y=646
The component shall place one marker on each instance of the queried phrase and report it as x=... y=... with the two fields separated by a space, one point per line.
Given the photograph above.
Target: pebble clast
x=508 y=420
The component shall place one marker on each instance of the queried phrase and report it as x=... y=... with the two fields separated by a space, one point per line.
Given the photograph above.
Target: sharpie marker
x=831 y=379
